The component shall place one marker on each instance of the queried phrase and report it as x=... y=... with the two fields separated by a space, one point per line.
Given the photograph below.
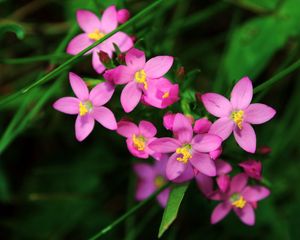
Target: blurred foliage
x=52 y=187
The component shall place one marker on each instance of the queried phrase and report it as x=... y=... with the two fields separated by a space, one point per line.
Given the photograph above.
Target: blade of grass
x=34 y=59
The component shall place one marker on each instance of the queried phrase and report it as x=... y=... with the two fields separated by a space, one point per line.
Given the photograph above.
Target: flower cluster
x=194 y=147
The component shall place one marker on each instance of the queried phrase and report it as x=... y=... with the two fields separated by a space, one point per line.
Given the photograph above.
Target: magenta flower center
x=184 y=152
x=159 y=181
x=139 y=142
x=238 y=117
x=141 y=77
x=85 y=108
x=237 y=200
x=96 y=35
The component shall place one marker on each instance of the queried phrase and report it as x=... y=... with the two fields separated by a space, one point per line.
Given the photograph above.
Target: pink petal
x=102 y=93
x=255 y=193
x=144 y=171
x=127 y=129
x=135 y=152
x=109 y=20
x=203 y=163
x=147 y=129
x=223 y=182
x=83 y=126
x=258 y=113
x=97 y=64
x=130 y=96
x=158 y=66
x=202 y=125
x=135 y=59
x=164 y=145
x=68 y=105
x=187 y=175
x=241 y=94
x=168 y=120
x=78 y=43
x=216 y=104
x=220 y=211
x=144 y=189
x=206 y=142
x=238 y=183
x=88 y=21
x=122 y=40
x=182 y=128
x=163 y=197
x=205 y=184
x=174 y=168
x=246 y=137
x=216 y=153
x=123 y=15
x=223 y=127
x=79 y=87
x=246 y=214
x=222 y=167
x=105 y=117
x=122 y=74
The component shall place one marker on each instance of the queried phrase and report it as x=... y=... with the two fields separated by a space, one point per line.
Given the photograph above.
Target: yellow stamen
x=140 y=77
x=238 y=117
x=239 y=203
x=159 y=181
x=96 y=35
x=139 y=142
x=185 y=152
x=166 y=95
x=82 y=109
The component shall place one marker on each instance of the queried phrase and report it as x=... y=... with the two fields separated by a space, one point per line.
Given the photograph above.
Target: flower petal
x=68 y=105
x=97 y=64
x=144 y=171
x=83 y=126
x=122 y=74
x=109 y=20
x=130 y=96
x=158 y=66
x=78 y=43
x=182 y=128
x=238 y=183
x=258 y=113
x=246 y=214
x=122 y=40
x=187 y=175
x=216 y=104
x=163 y=197
x=223 y=127
x=202 y=125
x=88 y=21
x=223 y=167
x=144 y=189
x=127 y=129
x=135 y=59
x=105 y=117
x=164 y=145
x=205 y=184
x=203 y=163
x=79 y=87
x=241 y=94
x=134 y=151
x=102 y=93
x=206 y=142
x=174 y=168
x=246 y=137
x=147 y=129
x=255 y=193
x=220 y=211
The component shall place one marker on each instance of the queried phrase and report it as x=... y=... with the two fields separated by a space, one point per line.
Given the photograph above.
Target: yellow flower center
x=84 y=108
x=159 y=181
x=238 y=117
x=238 y=201
x=96 y=35
x=166 y=95
x=185 y=153
x=140 y=77
x=139 y=142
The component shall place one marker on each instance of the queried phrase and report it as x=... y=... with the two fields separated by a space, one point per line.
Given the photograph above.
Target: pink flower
x=238 y=114
x=239 y=197
x=161 y=93
x=138 y=137
x=188 y=152
x=136 y=75
x=94 y=29
x=202 y=125
x=151 y=178
x=252 y=168
x=168 y=120
x=123 y=15
x=88 y=106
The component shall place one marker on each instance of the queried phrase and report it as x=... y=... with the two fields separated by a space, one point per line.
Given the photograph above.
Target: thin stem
x=33 y=59
x=128 y=213
x=277 y=77
x=60 y=68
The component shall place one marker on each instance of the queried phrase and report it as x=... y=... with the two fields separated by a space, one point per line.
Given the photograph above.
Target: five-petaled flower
x=238 y=114
x=88 y=106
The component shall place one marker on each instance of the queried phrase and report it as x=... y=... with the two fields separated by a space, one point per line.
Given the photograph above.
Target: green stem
x=33 y=59
x=277 y=77
x=59 y=69
x=128 y=213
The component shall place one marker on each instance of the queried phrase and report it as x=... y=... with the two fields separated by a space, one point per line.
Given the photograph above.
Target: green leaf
x=12 y=27
x=171 y=210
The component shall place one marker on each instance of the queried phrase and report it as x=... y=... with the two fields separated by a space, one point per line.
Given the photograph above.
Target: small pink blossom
x=150 y=179
x=188 y=151
x=94 y=29
x=88 y=106
x=123 y=15
x=252 y=168
x=238 y=114
x=239 y=197
x=202 y=125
